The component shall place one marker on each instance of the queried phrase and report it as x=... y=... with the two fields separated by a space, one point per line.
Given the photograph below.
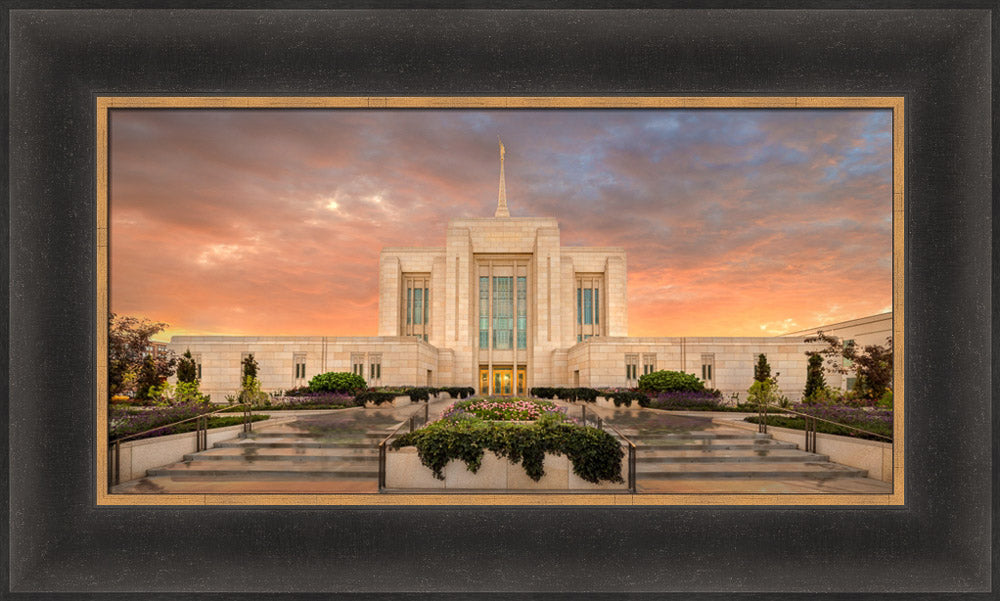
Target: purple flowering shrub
x=876 y=420
x=700 y=400
x=123 y=422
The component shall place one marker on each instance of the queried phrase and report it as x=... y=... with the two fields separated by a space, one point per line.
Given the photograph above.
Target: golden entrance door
x=503 y=381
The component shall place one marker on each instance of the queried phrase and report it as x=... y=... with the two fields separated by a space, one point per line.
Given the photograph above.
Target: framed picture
x=70 y=68
x=608 y=319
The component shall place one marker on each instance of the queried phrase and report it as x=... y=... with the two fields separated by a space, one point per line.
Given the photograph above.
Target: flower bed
x=702 y=400
x=595 y=455
x=504 y=409
x=878 y=421
x=124 y=422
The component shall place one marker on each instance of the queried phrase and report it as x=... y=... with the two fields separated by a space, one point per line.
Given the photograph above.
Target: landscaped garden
x=126 y=421
x=519 y=430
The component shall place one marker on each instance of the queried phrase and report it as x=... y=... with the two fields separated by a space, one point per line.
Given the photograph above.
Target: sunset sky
x=270 y=222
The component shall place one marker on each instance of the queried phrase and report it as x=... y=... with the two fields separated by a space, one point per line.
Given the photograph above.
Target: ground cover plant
x=125 y=421
x=594 y=454
x=879 y=421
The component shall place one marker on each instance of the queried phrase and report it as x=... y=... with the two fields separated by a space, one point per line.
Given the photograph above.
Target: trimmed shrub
x=370 y=396
x=670 y=381
x=627 y=397
x=459 y=392
x=337 y=381
x=541 y=392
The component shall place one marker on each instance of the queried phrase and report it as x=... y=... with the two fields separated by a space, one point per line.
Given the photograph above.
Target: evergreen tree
x=250 y=367
x=815 y=381
x=148 y=377
x=762 y=371
x=187 y=370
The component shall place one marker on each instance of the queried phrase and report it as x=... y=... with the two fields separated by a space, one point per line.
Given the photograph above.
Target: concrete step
x=285 y=454
x=708 y=445
x=729 y=456
x=268 y=469
x=818 y=470
x=709 y=435
x=296 y=443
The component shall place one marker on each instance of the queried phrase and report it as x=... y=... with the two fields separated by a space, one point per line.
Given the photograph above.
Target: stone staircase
x=282 y=452
x=719 y=455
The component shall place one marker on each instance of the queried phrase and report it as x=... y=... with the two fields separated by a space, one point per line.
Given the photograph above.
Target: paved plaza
x=336 y=452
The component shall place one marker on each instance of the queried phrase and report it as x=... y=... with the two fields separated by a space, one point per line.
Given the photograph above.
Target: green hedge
x=798 y=423
x=670 y=381
x=627 y=397
x=595 y=454
x=459 y=392
x=587 y=395
x=370 y=396
x=337 y=381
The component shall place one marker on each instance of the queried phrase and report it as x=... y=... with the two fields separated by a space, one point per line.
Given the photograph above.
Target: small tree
x=187 y=370
x=762 y=371
x=872 y=365
x=128 y=338
x=815 y=381
x=250 y=367
x=148 y=378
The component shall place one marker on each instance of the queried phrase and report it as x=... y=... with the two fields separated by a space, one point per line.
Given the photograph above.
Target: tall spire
x=502 y=201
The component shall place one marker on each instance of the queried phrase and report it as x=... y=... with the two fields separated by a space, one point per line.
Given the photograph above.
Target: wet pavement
x=336 y=452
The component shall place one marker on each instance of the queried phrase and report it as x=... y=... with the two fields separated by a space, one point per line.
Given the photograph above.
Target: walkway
x=336 y=452
x=319 y=452
x=683 y=452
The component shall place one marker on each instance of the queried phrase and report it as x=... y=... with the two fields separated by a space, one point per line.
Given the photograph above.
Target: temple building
x=504 y=307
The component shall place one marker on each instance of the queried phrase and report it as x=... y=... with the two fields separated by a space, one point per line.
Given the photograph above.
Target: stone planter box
x=871 y=455
x=137 y=456
x=404 y=471
x=604 y=403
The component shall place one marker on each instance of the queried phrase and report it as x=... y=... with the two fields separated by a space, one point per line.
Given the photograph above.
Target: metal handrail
x=815 y=418
x=385 y=441
x=201 y=437
x=631 y=453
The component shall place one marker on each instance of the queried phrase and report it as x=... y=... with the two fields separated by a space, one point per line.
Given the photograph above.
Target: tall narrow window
x=588 y=305
x=648 y=363
x=522 y=312
x=197 y=364
x=358 y=364
x=415 y=317
x=374 y=368
x=418 y=306
x=484 y=312
x=299 y=361
x=631 y=369
x=503 y=312
x=708 y=369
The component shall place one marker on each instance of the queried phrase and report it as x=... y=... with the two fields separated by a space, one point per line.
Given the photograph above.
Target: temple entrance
x=503 y=381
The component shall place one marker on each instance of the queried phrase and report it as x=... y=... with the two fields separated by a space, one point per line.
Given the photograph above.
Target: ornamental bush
x=594 y=454
x=459 y=392
x=374 y=397
x=337 y=381
x=627 y=397
x=670 y=381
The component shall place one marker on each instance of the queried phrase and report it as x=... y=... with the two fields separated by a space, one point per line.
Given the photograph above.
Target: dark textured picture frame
x=59 y=540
